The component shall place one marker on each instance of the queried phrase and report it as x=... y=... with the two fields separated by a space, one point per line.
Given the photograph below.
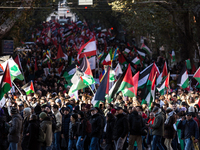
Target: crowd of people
x=50 y=119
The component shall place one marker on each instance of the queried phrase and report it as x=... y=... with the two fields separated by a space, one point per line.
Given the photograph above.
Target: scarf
x=168 y=116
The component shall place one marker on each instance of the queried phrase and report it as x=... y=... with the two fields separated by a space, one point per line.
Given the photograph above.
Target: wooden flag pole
x=17 y=88
x=91 y=90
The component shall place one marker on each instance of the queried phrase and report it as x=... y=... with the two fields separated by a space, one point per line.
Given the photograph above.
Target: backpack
x=42 y=136
x=88 y=127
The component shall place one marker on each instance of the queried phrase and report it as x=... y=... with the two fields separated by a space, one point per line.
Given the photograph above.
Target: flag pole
x=91 y=90
x=17 y=88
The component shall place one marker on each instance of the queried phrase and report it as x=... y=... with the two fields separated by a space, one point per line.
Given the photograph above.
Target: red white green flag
x=163 y=74
x=163 y=85
x=144 y=47
x=6 y=83
x=28 y=88
x=197 y=75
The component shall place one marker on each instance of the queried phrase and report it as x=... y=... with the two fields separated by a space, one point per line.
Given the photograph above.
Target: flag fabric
x=6 y=82
x=153 y=90
x=188 y=64
x=108 y=59
x=14 y=69
x=102 y=90
x=115 y=53
x=87 y=76
x=146 y=48
x=92 y=61
x=18 y=62
x=136 y=60
x=193 y=69
x=28 y=88
x=69 y=72
x=123 y=61
x=197 y=75
x=118 y=70
x=163 y=85
x=112 y=76
x=127 y=81
x=144 y=75
x=60 y=69
x=141 y=53
x=115 y=87
x=103 y=56
x=60 y=53
x=173 y=55
x=183 y=79
x=127 y=51
x=132 y=92
x=88 y=49
x=162 y=75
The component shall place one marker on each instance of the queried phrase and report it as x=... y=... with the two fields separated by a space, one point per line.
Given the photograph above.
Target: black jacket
x=188 y=129
x=135 y=117
x=109 y=131
x=121 y=127
x=96 y=123
x=81 y=130
x=72 y=130
x=33 y=130
x=65 y=124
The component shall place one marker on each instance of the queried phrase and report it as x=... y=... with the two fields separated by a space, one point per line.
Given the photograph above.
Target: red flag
x=60 y=69
x=193 y=69
x=60 y=53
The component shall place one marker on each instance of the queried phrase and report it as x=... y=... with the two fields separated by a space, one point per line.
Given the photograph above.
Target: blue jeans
x=157 y=142
x=57 y=140
x=12 y=146
x=71 y=144
x=189 y=144
x=94 y=144
x=80 y=144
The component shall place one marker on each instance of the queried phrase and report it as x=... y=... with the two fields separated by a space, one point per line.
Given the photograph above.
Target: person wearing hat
x=96 y=123
x=15 y=129
x=157 y=128
x=46 y=126
x=120 y=130
x=81 y=131
x=65 y=125
x=189 y=129
x=72 y=131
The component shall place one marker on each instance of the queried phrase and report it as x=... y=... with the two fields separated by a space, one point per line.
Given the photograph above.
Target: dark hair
x=55 y=106
x=110 y=116
x=34 y=117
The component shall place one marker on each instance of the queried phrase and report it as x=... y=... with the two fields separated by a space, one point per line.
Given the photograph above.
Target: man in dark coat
x=14 y=131
x=96 y=122
x=120 y=129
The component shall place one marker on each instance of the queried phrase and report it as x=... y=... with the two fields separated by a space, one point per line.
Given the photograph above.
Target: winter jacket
x=58 y=121
x=121 y=127
x=15 y=129
x=169 y=131
x=81 y=130
x=65 y=124
x=72 y=130
x=109 y=131
x=4 y=130
x=188 y=128
x=133 y=118
x=33 y=130
x=158 y=125
x=46 y=126
x=96 y=122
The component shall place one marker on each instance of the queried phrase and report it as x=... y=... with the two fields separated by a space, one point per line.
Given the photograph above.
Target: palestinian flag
x=163 y=74
x=144 y=75
x=141 y=53
x=197 y=75
x=87 y=76
x=183 y=79
x=136 y=61
x=77 y=82
x=28 y=88
x=122 y=61
x=127 y=51
x=69 y=72
x=18 y=62
x=60 y=69
x=6 y=83
x=188 y=64
x=173 y=55
x=88 y=49
x=144 y=47
x=60 y=53
x=14 y=69
x=115 y=87
x=163 y=85
x=153 y=92
x=154 y=71
x=132 y=92
x=102 y=90
x=68 y=33
x=108 y=59
x=127 y=81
